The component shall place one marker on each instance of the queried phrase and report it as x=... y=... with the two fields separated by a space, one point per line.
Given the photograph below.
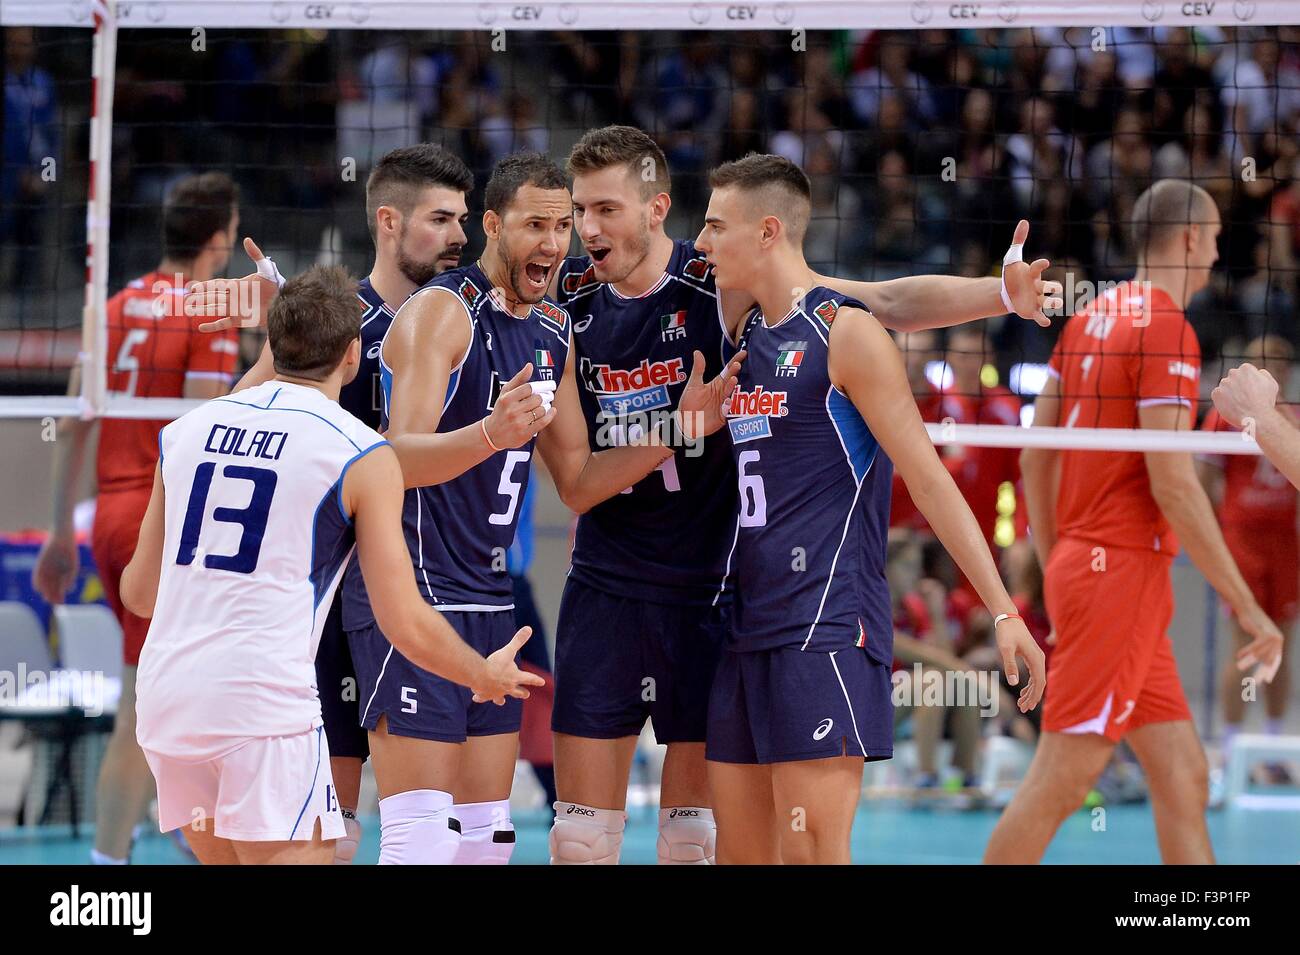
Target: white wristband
x=266 y=269
x=1015 y=253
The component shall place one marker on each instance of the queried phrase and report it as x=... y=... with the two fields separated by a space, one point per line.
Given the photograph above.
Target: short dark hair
x=312 y=321
x=195 y=209
x=401 y=174
x=623 y=145
x=781 y=185
x=1164 y=209
x=514 y=172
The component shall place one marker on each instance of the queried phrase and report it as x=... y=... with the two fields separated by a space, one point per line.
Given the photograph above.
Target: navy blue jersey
x=814 y=494
x=458 y=533
x=666 y=538
x=363 y=395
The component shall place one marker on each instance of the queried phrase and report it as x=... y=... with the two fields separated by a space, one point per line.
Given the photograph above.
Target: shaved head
x=1167 y=208
x=769 y=186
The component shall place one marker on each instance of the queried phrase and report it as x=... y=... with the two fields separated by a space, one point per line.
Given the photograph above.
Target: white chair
x=1252 y=748
x=22 y=640
x=90 y=639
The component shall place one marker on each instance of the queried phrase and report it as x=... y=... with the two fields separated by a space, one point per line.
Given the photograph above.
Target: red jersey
x=1119 y=354
x=1256 y=495
x=979 y=472
x=152 y=349
x=902 y=512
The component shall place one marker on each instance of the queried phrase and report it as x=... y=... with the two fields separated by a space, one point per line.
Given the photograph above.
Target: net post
x=94 y=316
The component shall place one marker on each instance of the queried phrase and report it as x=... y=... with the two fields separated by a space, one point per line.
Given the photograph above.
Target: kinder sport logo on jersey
x=788 y=359
x=672 y=327
x=622 y=392
x=750 y=413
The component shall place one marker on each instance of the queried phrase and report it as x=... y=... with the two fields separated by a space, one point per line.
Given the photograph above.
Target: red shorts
x=1113 y=667
x=118 y=516
x=1268 y=560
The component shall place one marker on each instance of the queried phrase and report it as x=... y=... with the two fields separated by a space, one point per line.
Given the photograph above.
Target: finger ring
x=532 y=417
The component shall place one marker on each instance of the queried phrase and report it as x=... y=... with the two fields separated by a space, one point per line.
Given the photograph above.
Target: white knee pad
x=487 y=835
x=687 y=836
x=418 y=828
x=346 y=847
x=582 y=835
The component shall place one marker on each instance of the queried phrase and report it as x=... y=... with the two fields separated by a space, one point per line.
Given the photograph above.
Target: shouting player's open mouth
x=538 y=273
x=598 y=253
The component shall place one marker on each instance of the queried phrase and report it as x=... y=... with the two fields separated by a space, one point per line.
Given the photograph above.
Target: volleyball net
x=928 y=130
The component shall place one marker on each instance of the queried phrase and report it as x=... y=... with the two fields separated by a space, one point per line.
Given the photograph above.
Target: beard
x=637 y=250
x=419 y=271
x=519 y=285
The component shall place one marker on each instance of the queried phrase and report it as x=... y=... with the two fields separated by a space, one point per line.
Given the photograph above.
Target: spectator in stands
x=31 y=144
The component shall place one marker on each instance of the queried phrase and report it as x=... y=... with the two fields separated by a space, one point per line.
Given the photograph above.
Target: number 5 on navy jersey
x=252 y=518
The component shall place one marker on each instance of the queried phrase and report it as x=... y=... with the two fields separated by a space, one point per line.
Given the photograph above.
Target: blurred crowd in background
x=924 y=147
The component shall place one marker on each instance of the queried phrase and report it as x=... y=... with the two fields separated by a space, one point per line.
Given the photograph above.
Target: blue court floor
x=884 y=833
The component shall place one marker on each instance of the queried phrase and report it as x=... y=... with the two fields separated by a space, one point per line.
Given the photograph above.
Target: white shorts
x=267 y=790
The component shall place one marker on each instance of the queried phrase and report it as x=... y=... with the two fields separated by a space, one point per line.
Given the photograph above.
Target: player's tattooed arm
x=426 y=342
x=583 y=478
x=1183 y=501
x=917 y=302
x=865 y=364
x=1040 y=469
x=139 y=586
x=372 y=495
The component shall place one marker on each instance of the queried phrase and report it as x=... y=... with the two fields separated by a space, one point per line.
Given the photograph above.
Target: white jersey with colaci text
x=256 y=541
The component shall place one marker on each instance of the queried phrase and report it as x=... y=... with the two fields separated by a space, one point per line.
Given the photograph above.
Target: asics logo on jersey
x=582 y=325
x=823 y=728
x=374 y=351
x=643 y=388
x=1185 y=370
x=575 y=810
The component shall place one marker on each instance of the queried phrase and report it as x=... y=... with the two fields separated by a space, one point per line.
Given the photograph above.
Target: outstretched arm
x=865 y=364
x=372 y=493
x=1247 y=397
x=939 y=301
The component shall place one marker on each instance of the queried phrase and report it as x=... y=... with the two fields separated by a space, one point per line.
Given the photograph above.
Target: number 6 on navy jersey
x=252 y=518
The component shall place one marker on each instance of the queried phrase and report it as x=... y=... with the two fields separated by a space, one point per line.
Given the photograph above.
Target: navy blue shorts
x=421 y=705
x=336 y=682
x=785 y=705
x=619 y=660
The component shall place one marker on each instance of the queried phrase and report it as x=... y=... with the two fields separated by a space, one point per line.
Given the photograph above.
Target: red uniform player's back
x=1132 y=347
x=152 y=349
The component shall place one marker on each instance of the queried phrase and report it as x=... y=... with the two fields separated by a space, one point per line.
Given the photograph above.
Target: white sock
x=487 y=836
x=346 y=846
x=418 y=828
x=99 y=858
